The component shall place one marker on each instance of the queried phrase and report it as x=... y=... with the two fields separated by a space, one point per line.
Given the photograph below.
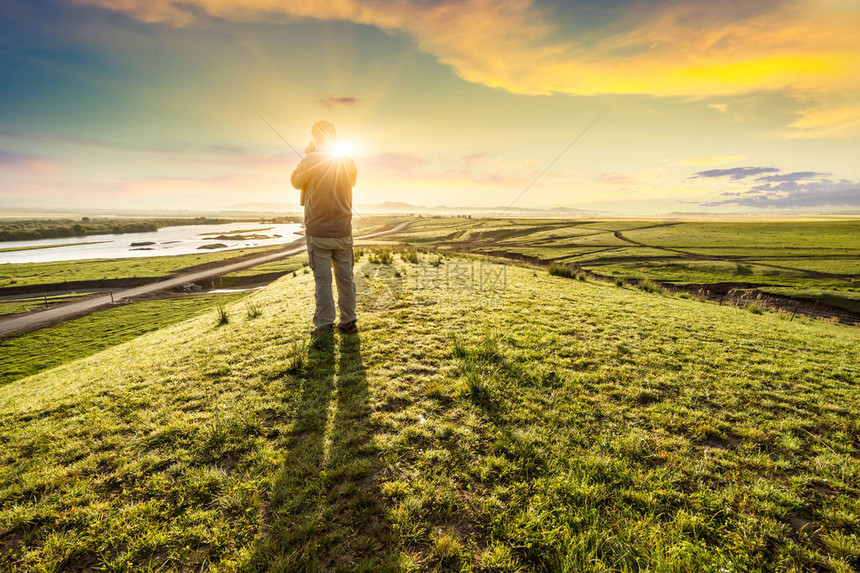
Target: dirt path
x=49 y=317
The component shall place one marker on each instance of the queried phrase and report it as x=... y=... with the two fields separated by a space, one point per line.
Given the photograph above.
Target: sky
x=737 y=106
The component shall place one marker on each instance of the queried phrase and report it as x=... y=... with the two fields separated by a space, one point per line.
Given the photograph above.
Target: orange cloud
x=836 y=121
x=678 y=49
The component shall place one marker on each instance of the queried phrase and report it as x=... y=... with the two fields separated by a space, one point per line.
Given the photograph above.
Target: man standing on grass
x=326 y=178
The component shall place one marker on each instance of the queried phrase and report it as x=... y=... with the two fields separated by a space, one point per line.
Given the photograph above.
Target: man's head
x=323 y=133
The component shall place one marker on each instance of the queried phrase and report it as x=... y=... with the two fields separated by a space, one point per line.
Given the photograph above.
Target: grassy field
x=805 y=257
x=24 y=274
x=480 y=421
x=33 y=352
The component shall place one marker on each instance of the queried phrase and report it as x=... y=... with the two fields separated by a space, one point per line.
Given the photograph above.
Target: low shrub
x=253 y=311
x=410 y=256
x=381 y=257
x=567 y=271
x=476 y=386
x=446 y=547
x=296 y=359
x=562 y=270
x=648 y=285
x=756 y=308
x=458 y=347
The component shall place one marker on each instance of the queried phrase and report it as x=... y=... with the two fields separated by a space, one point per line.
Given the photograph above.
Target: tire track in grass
x=698 y=257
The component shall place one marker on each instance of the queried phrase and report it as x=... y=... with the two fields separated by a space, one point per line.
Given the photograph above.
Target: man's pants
x=322 y=253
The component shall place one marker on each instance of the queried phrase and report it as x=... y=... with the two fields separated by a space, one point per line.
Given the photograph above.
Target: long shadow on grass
x=326 y=511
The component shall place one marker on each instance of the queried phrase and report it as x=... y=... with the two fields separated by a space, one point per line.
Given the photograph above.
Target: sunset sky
x=736 y=106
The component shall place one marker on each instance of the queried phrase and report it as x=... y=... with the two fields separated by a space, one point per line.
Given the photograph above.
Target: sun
x=342 y=148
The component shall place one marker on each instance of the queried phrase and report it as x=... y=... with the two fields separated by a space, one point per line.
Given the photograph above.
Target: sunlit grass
x=33 y=352
x=787 y=255
x=58 y=272
x=608 y=429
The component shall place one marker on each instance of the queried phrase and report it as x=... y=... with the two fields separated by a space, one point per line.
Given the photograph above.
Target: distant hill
x=403 y=207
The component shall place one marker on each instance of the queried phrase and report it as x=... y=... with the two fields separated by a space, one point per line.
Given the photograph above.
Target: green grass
x=778 y=254
x=683 y=272
x=24 y=274
x=802 y=235
x=558 y=426
x=27 y=354
x=838 y=265
x=621 y=254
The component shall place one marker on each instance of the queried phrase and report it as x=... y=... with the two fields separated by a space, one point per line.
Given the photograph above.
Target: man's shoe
x=348 y=328
x=326 y=330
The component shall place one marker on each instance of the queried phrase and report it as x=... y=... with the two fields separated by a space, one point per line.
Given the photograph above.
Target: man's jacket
x=326 y=182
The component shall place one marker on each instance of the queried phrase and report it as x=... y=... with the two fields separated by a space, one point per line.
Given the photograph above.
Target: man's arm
x=301 y=175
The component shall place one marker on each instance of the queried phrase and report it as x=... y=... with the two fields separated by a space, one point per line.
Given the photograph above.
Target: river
x=179 y=240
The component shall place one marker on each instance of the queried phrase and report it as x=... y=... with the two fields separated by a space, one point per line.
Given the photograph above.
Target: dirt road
x=41 y=319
